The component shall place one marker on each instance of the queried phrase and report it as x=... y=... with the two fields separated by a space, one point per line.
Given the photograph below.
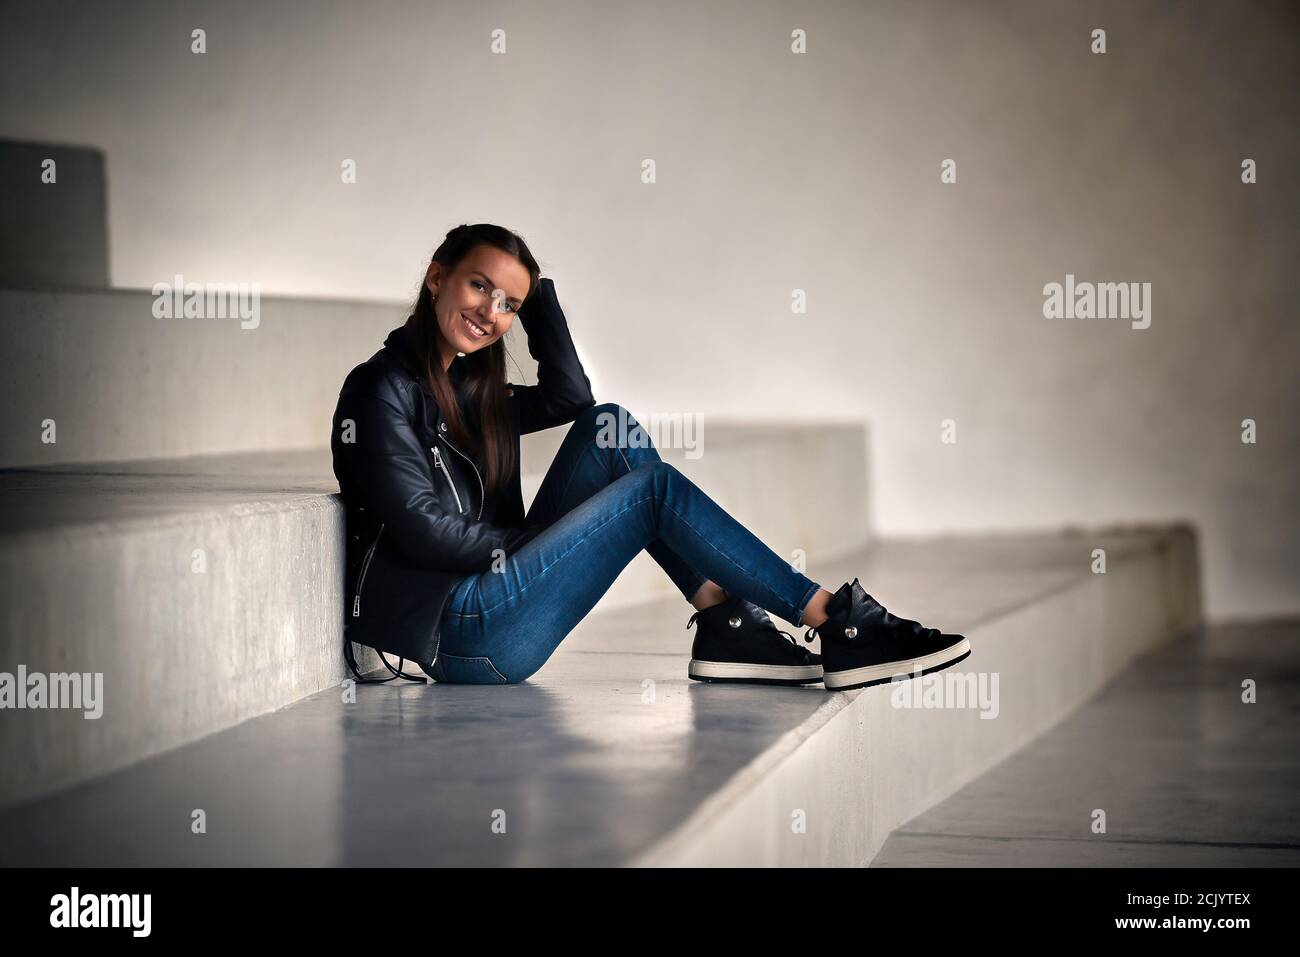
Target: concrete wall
x=775 y=172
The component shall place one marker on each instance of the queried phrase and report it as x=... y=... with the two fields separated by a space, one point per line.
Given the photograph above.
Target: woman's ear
x=433 y=277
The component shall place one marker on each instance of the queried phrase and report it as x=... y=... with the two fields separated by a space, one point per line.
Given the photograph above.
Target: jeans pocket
x=477 y=670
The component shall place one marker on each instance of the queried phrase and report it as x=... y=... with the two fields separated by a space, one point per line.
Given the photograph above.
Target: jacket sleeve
x=563 y=389
x=391 y=467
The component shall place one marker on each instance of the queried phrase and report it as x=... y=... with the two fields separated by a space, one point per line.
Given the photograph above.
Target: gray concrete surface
x=1188 y=774
x=610 y=755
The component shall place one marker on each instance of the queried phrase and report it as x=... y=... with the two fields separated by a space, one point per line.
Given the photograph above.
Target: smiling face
x=477 y=300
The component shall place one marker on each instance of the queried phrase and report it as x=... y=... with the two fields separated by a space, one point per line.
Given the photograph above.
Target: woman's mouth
x=476 y=331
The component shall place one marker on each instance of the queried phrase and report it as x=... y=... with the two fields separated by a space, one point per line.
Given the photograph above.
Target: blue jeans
x=602 y=506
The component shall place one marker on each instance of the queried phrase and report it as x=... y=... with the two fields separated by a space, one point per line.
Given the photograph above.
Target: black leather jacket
x=416 y=517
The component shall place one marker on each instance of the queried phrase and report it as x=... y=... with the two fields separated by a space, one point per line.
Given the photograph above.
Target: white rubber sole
x=909 y=667
x=739 y=671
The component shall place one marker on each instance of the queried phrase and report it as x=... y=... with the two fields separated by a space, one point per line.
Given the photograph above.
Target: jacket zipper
x=365 y=567
x=437 y=460
x=481 y=494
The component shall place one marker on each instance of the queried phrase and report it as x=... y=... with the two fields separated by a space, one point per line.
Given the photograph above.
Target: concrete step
x=120 y=384
x=208 y=589
x=611 y=755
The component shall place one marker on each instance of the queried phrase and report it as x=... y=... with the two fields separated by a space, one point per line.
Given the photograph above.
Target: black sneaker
x=863 y=644
x=737 y=641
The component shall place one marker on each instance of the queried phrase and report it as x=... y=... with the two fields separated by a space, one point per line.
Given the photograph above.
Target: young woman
x=443 y=566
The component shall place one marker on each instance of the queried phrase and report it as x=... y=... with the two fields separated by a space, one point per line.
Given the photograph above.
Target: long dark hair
x=484 y=371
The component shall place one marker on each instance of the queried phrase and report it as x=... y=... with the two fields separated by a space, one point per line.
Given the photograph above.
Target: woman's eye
x=509 y=307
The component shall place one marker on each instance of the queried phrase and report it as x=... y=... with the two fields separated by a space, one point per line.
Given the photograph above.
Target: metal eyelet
x=442 y=426
x=850 y=632
x=733 y=622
